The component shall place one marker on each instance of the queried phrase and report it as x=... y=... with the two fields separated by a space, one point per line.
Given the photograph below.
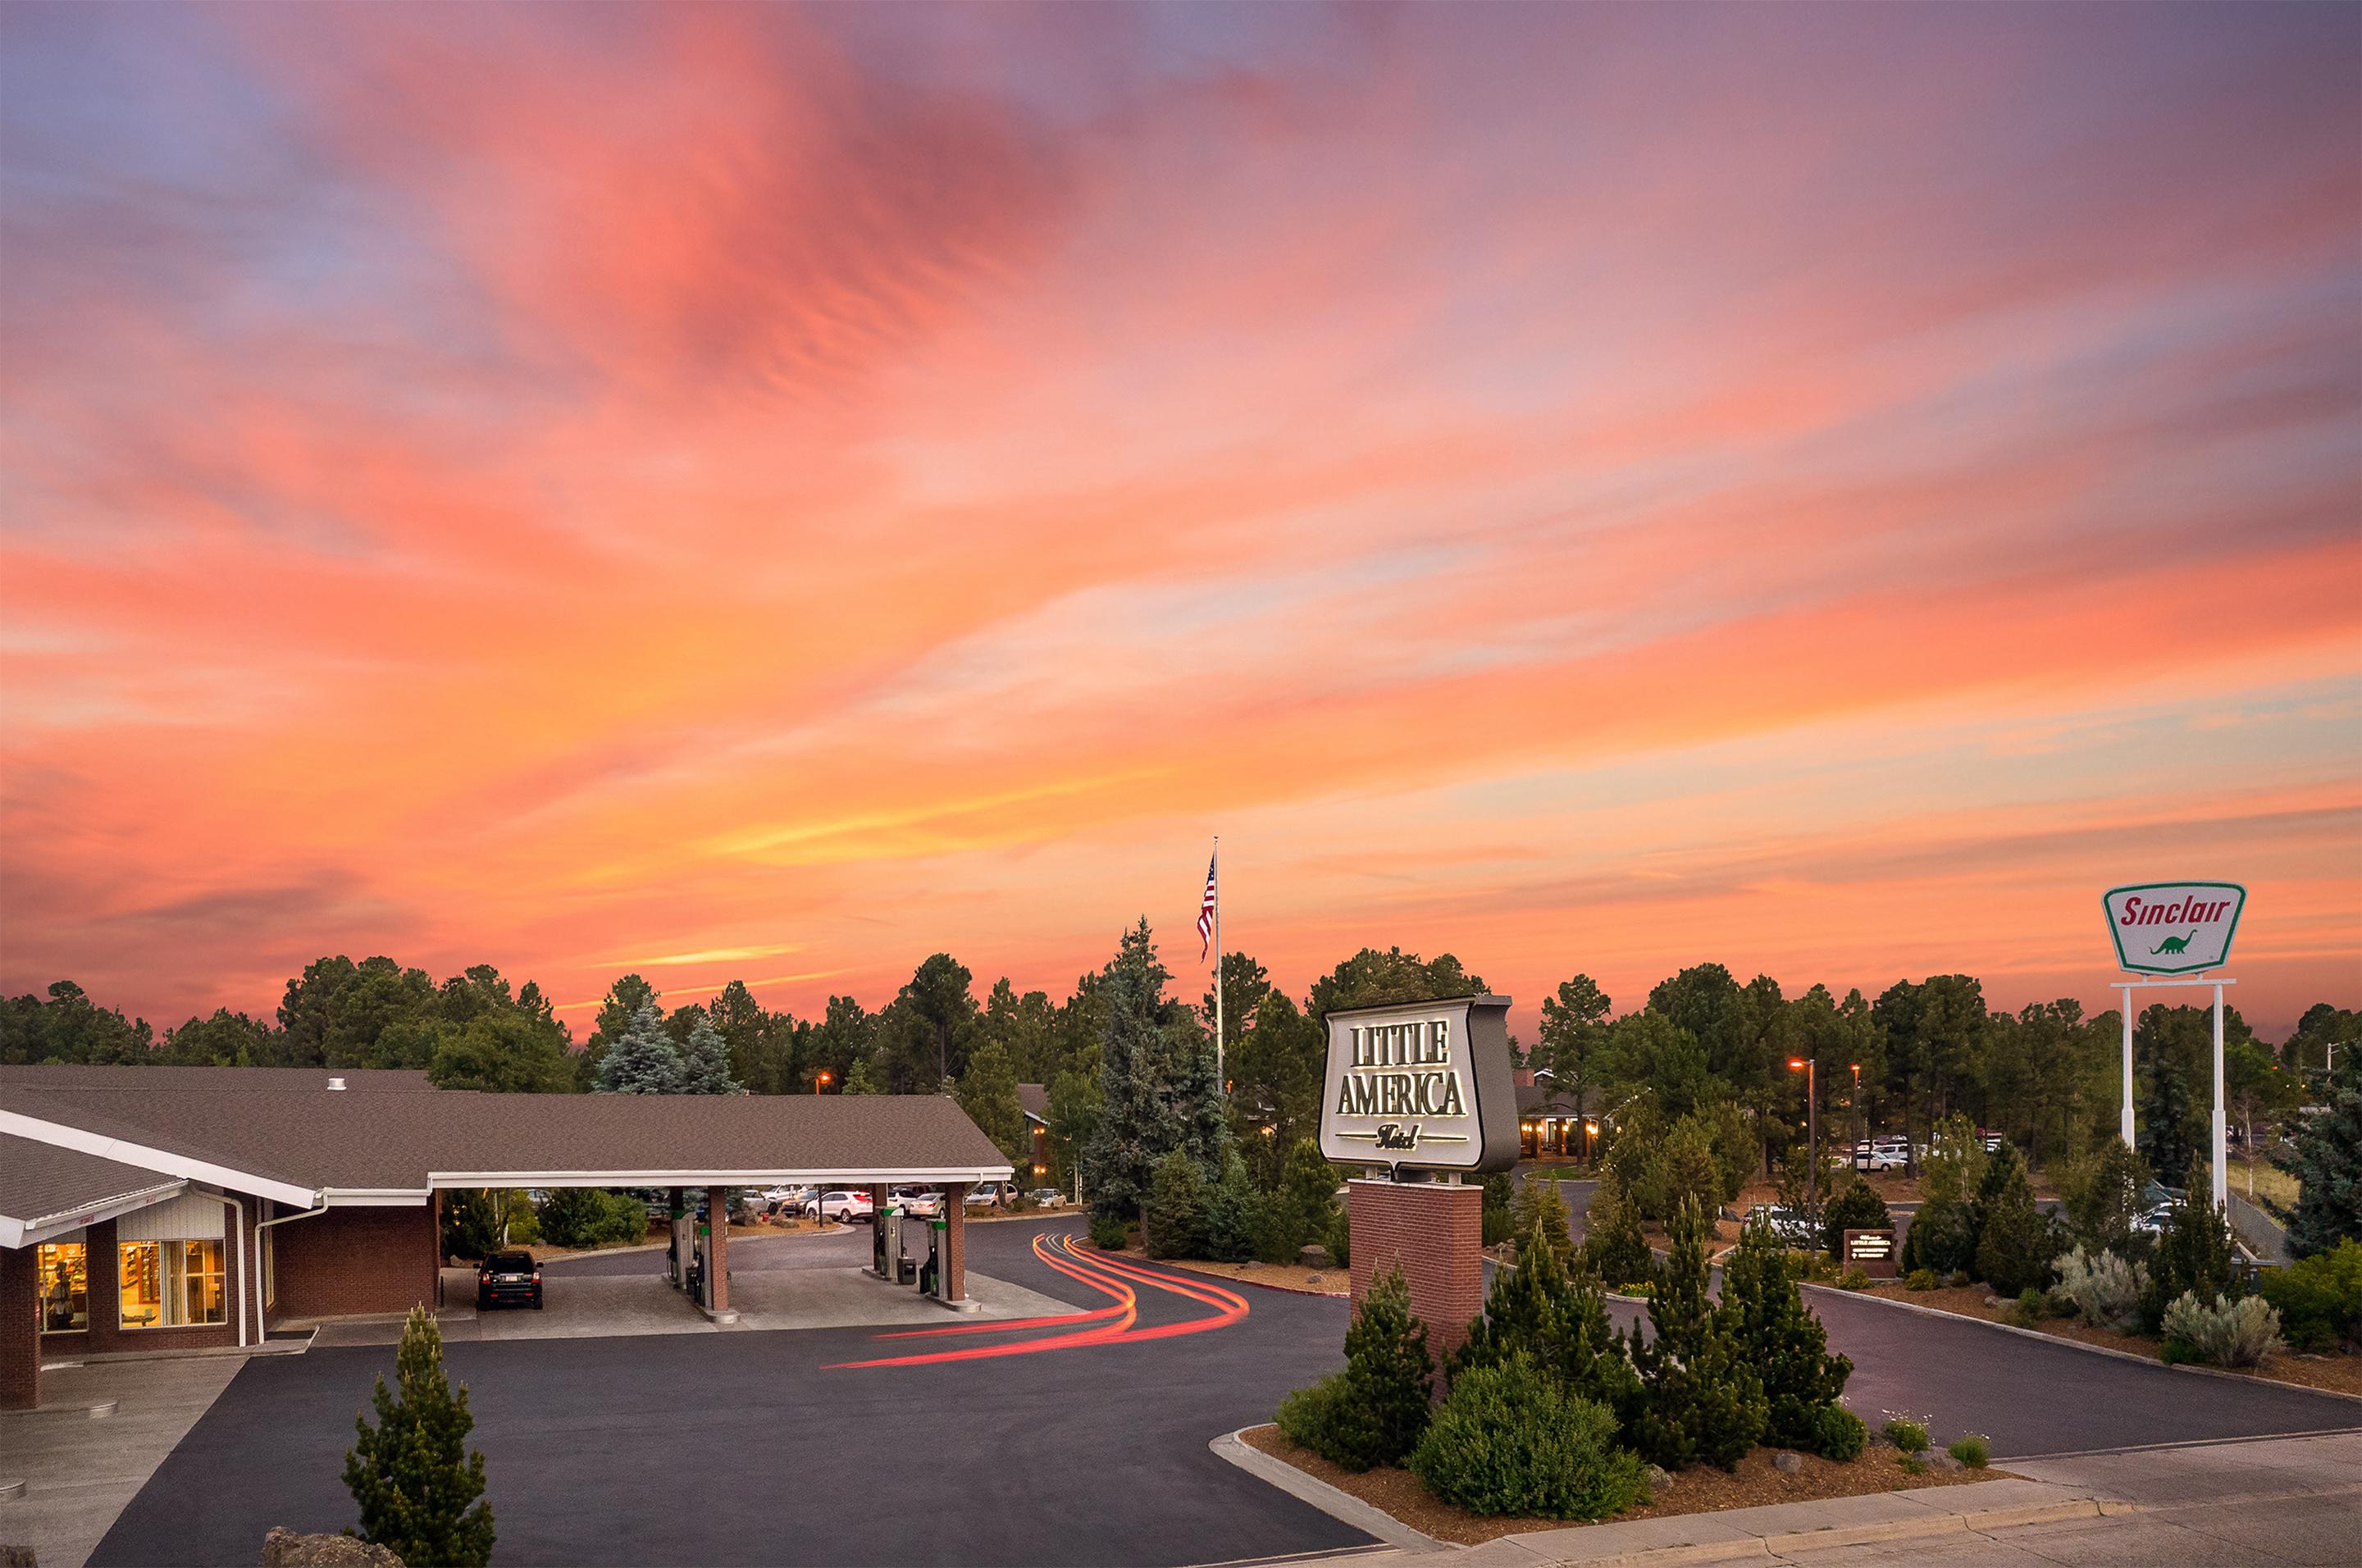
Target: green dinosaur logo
x=2172 y=944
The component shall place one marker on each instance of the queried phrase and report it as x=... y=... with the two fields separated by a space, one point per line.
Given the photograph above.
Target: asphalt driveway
x=740 y=1448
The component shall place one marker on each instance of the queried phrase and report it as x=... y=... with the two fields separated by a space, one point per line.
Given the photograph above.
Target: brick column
x=717 y=1249
x=20 y=1347
x=105 y=1289
x=953 y=1262
x=1435 y=1232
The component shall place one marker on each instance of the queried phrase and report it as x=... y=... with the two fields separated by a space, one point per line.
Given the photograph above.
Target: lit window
x=173 y=1284
x=65 y=1273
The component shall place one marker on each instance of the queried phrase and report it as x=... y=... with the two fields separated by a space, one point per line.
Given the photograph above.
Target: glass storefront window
x=173 y=1284
x=65 y=1272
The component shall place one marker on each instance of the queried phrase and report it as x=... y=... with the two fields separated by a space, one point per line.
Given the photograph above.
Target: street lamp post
x=820 y=1084
x=1857 y=1115
x=1812 y=1127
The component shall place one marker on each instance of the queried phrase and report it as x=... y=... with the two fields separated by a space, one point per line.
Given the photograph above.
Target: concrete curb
x=2133 y=1356
x=1342 y=1507
x=1883 y=1532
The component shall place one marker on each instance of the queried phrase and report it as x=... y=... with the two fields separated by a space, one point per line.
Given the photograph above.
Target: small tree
x=644 y=1060
x=1858 y=1208
x=2102 y=1194
x=1388 y=1371
x=1539 y=1207
x=2195 y=1256
x=1613 y=1244
x=1943 y=1235
x=2327 y=1164
x=1306 y=1200
x=2014 y=1242
x=1234 y=1214
x=419 y=1490
x=1701 y=1399
x=1780 y=1339
x=1691 y=1172
x=1176 y=1213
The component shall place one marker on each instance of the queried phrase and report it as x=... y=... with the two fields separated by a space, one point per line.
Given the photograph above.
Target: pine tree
x=2014 y=1242
x=1539 y=1209
x=987 y=1092
x=1858 y=1208
x=1557 y=1316
x=1613 y=1244
x=419 y=1490
x=1175 y=1215
x=1306 y=1195
x=1156 y=1082
x=2103 y=1196
x=2195 y=1255
x=2327 y=1162
x=1700 y=1398
x=705 y=1061
x=1780 y=1339
x=2168 y=1126
x=1388 y=1372
x=1234 y=1214
x=644 y=1060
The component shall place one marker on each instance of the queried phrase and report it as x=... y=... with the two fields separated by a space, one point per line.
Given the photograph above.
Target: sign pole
x=2125 y=1116
x=2222 y=1163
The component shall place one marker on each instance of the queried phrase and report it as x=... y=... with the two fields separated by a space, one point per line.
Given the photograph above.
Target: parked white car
x=1046 y=1198
x=918 y=1203
x=1879 y=1155
x=991 y=1195
x=1789 y=1226
x=846 y=1207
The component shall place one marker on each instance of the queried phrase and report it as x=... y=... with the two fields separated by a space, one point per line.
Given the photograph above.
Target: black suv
x=508 y=1276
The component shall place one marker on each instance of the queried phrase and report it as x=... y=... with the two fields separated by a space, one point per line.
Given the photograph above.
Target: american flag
x=1206 y=914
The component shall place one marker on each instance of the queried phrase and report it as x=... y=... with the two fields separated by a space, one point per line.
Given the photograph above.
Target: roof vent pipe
x=336 y=1083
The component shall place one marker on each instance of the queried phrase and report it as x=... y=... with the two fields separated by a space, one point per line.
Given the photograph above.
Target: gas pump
x=933 y=1274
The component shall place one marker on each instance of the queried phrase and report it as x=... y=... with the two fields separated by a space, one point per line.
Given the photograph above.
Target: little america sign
x=2174 y=928
x=1421 y=1085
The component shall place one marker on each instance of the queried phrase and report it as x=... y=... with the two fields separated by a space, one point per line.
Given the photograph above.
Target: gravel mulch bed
x=2337 y=1373
x=1702 y=1490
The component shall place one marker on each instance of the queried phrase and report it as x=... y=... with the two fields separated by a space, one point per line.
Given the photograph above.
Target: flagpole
x=1220 y=1082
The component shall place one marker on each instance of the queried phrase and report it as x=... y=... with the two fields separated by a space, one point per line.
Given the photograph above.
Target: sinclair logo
x=2174 y=928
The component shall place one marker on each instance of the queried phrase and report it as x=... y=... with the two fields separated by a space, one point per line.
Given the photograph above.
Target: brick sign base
x=1435 y=1232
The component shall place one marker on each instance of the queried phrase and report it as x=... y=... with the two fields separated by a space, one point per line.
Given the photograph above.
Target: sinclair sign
x=2174 y=928
x=1421 y=1086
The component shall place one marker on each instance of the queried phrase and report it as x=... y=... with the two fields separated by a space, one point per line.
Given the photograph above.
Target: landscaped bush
x=1499 y=1223
x=1838 y=1433
x=1235 y=1210
x=592 y=1217
x=1108 y=1230
x=1340 y=1239
x=2102 y=1194
x=1512 y=1439
x=1920 y=1279
x=1856 y=1279
x=1972 y=1449
x=1858 y=1208
x=2320 y=1299
x=2227 y=1333
x=2105 y=1288
x=1906 y=1434
x=1325 y=1419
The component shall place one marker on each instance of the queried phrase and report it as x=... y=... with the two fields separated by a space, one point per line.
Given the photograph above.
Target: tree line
x=1128 y=1061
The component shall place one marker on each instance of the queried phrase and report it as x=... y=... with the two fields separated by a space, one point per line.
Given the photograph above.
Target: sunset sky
x=744 y=492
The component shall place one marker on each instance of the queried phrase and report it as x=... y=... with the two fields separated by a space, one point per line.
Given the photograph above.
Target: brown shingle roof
x=74 y=1074
x=39 y=1182
x=1035 y=1100
x=398 y=1141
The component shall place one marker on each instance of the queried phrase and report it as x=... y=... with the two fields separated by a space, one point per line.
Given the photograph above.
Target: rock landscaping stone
x=1314 y=1257
x=1659 y=1478
x=285 y=1548
x=1940 y=1460
x=1787 y=1463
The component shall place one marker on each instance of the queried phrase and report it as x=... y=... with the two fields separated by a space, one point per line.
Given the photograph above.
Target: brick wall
x=1435 y=1231
x=20 y=1346
x=353 y=1262
x=954 y=1259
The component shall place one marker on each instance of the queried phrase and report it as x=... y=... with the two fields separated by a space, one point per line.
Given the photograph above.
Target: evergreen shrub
x=1700 y=1400
x=1858 y=1208
x=2226 y=1333
x=1177 y=1212
x=2319 y=1299
x=1375 y=1411
x=1109 y=1231
x=1838 y=1433
x=1513 y=1440
x=1971 y=1449
x=2195 y=1256
x=1781 y=1340
x=2106 y=1290
x=419 y=1490
x=2326 y=1160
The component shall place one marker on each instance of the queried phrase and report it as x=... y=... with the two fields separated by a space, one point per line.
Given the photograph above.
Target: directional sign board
x=2174 y=928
